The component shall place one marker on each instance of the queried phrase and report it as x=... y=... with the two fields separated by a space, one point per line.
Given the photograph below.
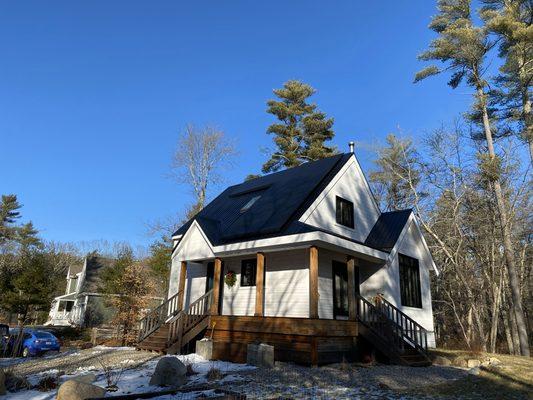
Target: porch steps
x=179 y=328
x=393 y=333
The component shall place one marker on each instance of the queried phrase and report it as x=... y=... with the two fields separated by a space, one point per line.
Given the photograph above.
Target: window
x=247 y=206
x=248 y=271
x=410 y=281
x=344 y=212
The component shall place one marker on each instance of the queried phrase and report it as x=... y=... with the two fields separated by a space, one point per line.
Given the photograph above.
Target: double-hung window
x=344 y=212
x=410 y=281
x=248 y=272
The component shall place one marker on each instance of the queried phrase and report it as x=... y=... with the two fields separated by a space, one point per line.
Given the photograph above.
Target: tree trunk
x=506 y=234
x=495 y=314
x=507 y=331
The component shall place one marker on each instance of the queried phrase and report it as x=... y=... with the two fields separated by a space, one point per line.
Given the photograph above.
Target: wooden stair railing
x=157 y=317
x=398 y=332
x=189 y=322
x=410 y=330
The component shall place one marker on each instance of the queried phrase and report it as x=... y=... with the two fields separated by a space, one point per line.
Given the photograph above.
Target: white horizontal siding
x=287 y=284
x=237 y=300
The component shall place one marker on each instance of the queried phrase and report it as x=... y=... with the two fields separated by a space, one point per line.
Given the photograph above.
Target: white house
x=82 y=295
x=320 y=271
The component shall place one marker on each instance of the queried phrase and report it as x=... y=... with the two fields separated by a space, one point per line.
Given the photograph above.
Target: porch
x=306 y=302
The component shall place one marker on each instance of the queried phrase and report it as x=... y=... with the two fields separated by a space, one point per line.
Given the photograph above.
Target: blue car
x=35 y=342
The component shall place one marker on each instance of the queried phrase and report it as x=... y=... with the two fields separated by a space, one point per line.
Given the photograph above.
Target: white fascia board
x=300 y=240
x=187 y=233
x=412 y=220
x=352 y=162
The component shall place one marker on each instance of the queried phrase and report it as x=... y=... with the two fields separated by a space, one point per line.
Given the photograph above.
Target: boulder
x=494 y=361
x=439 y=360
x=2 y=383
x=474 y=371
x=473 y=363
x=87 y=378
x=169 y=371
x=75 y=390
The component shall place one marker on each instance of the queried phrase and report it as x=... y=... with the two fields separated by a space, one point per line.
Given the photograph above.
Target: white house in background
x=82 y=295
x=321 y=272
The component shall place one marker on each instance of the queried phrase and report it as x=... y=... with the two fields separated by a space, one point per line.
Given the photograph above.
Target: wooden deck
x=301 y=340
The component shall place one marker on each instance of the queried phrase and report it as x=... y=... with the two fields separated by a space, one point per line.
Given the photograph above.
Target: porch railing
x=187 y=319
x=158 y=316
x=392 y=325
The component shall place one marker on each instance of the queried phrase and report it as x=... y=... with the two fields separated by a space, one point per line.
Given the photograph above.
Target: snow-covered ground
x=132 y=380
x=338 y=381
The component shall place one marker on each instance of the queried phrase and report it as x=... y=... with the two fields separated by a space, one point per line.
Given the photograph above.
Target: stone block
x=204 y=348
x=473 y=363
x=260 y=355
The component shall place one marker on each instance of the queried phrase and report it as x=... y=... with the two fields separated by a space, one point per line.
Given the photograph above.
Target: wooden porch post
x=181 y=284
x=260 y=285
x=313 y=282
x=352 y=301
x=216 y=286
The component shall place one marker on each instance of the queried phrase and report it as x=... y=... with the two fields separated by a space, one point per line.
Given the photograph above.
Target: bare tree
x=201 y=155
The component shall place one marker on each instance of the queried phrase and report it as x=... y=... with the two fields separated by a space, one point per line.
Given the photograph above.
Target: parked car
x=34 y=342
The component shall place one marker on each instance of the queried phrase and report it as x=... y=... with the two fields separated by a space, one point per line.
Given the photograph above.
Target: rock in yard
x=75 y=390
x=472 y=363
x=474 y=371
x=260 y=355
x=494 y=361
x=87 y=378
x=2 y=383
x=169 y=371
x=439 y=360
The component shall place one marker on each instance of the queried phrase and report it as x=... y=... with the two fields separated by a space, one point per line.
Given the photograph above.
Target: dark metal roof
x=284 y=196
x=387 y=229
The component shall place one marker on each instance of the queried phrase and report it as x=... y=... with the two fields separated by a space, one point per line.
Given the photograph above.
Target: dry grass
x=513 y=379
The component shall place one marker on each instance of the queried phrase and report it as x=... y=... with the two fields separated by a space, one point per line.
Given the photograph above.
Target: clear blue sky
x=92 y=95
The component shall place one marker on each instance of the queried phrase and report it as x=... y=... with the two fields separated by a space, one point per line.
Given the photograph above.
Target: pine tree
x=160 y=260
x=511 y=22
x=462 y=47
x=9 y=214
x=398 y=171
x=302 y=131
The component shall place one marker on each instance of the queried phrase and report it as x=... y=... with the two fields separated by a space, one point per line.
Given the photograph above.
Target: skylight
x=252 y=201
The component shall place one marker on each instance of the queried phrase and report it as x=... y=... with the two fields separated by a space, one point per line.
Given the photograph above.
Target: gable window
x=410 y=281
x=248 y=272
x=344 y=212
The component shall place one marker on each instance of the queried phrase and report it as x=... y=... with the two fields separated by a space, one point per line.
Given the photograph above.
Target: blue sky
x=93 y=95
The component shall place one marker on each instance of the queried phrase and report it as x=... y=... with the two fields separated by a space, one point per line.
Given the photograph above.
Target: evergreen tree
x=398 y=172
x=30 y=288
x=160 y=260
x=462 y=47
x=302 y=131
x=511 y=22
x=9 y=214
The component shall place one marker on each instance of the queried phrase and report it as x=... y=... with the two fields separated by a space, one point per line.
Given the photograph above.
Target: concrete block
x=260 y=355
x=204 y=348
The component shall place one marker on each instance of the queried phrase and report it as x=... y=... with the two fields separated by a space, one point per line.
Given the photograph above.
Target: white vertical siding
x=352 y=186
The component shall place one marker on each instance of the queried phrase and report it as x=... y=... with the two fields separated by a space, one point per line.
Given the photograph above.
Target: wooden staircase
x=392 y=332
x=166 y=329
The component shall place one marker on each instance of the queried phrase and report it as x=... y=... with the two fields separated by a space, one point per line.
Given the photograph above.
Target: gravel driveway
x=72 y=361
x=341 y=381
x=286 y=380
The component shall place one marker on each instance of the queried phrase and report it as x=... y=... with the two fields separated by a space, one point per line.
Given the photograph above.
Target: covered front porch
x=303 y=301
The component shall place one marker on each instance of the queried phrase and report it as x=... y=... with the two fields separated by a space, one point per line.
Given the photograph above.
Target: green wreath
x=230 y=278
